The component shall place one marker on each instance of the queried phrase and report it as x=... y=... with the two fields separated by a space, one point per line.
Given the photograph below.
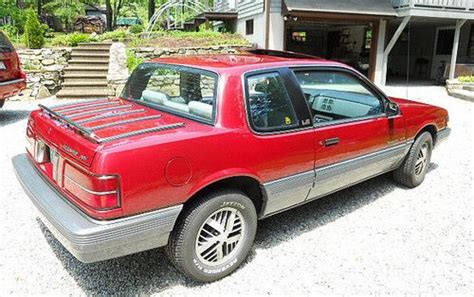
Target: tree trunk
x=40 y=7
x=151 y=9
x=109 y=15
x=20 y=4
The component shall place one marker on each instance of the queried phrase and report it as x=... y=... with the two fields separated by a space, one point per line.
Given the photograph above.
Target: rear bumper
x=91 y=240
x=442 y=135
x=11 y=88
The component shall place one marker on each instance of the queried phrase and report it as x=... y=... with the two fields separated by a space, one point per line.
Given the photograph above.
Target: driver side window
x=334 y=96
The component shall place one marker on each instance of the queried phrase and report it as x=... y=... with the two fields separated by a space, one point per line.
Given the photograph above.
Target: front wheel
x=412 y=171
x=213 y=236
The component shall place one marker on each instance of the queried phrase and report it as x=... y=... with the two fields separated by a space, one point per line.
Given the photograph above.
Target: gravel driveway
x=374 y=238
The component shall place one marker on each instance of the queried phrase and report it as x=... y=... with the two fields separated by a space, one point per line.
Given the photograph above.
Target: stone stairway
x=85 y=77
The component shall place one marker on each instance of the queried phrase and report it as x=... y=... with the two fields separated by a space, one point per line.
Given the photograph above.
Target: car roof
x=242 y=62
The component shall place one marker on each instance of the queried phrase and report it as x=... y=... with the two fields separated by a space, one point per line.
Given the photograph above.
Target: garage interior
x=347 y=42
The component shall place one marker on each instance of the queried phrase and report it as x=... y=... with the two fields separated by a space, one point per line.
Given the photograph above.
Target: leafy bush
x=72 y=39
x=10 y=30
x=119 y=34
x=133 y=61
x=34 y=31
x=137 y=29
x=466 y=79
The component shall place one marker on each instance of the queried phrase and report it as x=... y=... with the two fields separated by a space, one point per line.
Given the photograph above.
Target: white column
x=454 y=53
x=390 y=46
x=379 y=53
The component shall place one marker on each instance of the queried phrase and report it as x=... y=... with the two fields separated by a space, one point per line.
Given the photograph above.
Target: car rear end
x=80 y=200
x=12 y=78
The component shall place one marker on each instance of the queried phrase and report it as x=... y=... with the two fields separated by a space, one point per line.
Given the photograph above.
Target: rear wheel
x=1 y=103
x=412 y=171
x=213 y=236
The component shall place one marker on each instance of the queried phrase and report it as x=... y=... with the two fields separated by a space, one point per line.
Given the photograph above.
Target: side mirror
x=392 y=109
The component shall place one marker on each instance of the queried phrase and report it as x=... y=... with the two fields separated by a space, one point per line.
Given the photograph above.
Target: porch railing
x=435 y=4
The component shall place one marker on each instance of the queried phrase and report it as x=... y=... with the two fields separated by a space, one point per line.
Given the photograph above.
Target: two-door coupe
x=198 y=148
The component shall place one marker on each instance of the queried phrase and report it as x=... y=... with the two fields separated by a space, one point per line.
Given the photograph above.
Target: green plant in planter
x=466 y=79
x=34 y=31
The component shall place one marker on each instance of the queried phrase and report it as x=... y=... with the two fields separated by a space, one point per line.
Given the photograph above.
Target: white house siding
x=252 y=10
x=277 y=26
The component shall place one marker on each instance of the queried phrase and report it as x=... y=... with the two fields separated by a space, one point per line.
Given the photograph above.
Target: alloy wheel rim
x=220 y=236
x=421 y=160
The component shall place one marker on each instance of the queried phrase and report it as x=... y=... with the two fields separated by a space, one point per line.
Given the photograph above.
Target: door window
x=270 y=107
x=334 y=96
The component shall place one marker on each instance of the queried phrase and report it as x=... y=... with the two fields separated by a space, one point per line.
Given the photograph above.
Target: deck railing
x=435 y=4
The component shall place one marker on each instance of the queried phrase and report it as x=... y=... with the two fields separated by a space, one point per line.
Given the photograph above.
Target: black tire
x=1 y=103
x=409 y=174
x=183 y=243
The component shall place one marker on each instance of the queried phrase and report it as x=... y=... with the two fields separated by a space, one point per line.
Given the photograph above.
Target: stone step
x=88 y=61
x=101 y=73
x=91 y=49
x=84 y=83
x=87 y=75
x=84 y=93
x=92 y=55
x=92 y=67
x=95 y=44
x=469 y=88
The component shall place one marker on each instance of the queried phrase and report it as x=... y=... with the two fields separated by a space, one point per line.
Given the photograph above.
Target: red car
x=197 y=149
x=12 y=79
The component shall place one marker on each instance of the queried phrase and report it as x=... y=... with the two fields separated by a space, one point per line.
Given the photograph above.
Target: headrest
x=176 y=105
x=154 y=97
x=200 y=109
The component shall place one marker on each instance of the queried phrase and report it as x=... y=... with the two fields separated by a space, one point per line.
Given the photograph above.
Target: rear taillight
x=98 y=192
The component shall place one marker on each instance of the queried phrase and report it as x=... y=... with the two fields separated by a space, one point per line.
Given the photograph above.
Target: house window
x=298 y=37
x=368 y=39
x=445 y=42
x=249 y=27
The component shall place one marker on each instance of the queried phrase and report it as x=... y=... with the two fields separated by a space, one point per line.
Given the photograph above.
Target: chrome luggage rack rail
x=89 y=132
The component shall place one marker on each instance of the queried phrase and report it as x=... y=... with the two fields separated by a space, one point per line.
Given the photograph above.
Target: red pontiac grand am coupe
x=197 y=149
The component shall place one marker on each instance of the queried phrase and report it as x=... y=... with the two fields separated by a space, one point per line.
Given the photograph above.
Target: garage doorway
x=349 y=43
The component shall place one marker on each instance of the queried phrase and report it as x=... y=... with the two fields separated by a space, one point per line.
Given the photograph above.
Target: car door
x=282 y=142
x=354 y=137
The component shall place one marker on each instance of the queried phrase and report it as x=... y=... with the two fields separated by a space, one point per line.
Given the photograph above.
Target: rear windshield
x=5 y=44
x=180 y=90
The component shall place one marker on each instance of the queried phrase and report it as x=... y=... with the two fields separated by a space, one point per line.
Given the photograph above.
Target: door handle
x=331 y=141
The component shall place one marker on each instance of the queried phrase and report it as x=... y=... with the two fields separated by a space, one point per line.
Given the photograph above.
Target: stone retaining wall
x=44 y=69
x=151 y=52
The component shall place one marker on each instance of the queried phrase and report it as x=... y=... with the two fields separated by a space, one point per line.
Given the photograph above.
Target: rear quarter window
x=5 y=44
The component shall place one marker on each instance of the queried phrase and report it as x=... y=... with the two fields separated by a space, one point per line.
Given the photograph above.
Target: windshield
x=180 y=90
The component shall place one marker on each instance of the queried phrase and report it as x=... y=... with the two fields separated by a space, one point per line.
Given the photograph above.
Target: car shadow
x=11 y=116
x=151 y=272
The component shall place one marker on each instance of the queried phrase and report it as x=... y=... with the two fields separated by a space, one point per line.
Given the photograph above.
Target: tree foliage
x=66 y=10
x=34 y=31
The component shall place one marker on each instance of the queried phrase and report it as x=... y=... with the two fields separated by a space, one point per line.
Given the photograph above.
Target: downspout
x=267 y=23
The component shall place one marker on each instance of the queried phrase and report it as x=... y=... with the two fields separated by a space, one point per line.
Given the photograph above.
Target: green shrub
x=133 y=61
x=119 y=34
x=137 y=29
x=72 y=39
x=34 y=31
x=466 y=79
x=10 y=30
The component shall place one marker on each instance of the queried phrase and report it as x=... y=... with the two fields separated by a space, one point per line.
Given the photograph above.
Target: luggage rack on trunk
x=90 y=134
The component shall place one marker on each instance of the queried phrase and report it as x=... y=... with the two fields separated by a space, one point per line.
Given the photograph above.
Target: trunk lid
x=80 y=129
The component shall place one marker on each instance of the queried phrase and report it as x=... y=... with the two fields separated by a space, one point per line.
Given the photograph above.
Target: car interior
x=188 y=97
x=332 y=105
